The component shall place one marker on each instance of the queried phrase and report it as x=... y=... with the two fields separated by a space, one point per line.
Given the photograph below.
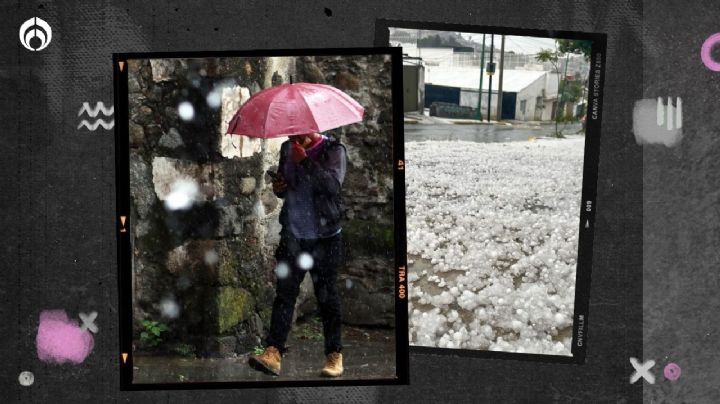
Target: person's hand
x=297 y=153
x=279 y=185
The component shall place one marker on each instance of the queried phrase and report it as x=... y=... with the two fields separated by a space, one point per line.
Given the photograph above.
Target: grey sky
x=517 y=44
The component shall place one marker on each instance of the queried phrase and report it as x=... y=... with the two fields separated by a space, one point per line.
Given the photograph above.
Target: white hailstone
x=560 y=319
x=282 y=270
x=169 y=308
x=186 y=111
x=182 y=195
x=305 y=261
x=438 y=223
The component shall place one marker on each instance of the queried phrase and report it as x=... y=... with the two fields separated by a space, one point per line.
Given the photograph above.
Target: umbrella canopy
x=295 y=109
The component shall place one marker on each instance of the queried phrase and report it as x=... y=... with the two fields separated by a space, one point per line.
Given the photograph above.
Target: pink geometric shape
x=705 y=55
x=61 y=340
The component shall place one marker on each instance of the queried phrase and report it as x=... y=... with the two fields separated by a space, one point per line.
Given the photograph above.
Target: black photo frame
x=125 y=226
x=588 y=205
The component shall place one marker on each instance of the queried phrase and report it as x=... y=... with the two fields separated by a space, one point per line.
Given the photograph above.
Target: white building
x=524 y=92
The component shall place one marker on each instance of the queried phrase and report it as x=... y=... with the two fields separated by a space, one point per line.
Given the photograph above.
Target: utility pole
x=417 y=43
x=482 y=62
x=492 y=51
x=564 y=82
x=500 y=83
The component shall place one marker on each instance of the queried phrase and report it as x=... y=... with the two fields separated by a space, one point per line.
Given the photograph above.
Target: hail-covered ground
x=492 y=233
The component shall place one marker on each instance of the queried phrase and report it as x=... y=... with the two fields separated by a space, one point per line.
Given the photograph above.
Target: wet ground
x=482 y=133
x=367 y=354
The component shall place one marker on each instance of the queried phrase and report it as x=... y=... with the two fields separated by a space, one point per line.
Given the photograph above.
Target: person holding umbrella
x=310 y=175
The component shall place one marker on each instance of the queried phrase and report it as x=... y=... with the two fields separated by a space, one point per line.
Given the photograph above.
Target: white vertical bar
x=669 y=110
x=678 y=113
x=660 y=112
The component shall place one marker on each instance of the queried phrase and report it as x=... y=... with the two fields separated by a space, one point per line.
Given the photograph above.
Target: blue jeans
x=327 y=256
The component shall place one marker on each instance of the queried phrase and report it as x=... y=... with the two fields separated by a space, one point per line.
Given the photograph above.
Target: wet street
x=368 y=354
x=482 y=133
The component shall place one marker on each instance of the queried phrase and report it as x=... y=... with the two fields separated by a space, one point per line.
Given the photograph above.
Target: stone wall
x=203 y=271
x=207 y=271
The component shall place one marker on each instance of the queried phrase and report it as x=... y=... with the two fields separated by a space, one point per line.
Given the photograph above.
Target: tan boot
x=268 y=361
x=333 y=365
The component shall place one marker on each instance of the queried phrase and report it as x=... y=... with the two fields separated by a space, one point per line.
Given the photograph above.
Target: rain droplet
x=305 y=261
x=211 y=257
x=169 y=308
x=282 y=270
x=214 y=99
x=186 y=111
x=183 y=282
x=259 y=209
x=348 y=283
x=182 y=195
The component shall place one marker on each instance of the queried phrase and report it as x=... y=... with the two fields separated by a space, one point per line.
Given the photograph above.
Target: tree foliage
x=435 y=41
x=572 y=91
x=575 y=46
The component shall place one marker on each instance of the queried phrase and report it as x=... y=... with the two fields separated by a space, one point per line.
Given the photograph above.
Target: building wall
x=469 y=98
x=413 y=88
x=530 y=95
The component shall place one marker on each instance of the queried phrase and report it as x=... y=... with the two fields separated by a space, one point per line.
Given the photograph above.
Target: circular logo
x=705 y=52
x=35 y=34
x=26 y=378
x=672 y=371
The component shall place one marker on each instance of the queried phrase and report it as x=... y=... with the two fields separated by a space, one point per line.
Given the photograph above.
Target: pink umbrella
x=295 y=109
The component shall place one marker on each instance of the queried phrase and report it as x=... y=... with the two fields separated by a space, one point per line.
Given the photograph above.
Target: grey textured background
x=681 y=210
x=657 y=208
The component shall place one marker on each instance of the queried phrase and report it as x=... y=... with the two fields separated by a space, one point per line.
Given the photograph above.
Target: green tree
x=573 y=91
x=576 y=46
x=583 y=47
x=568 y=91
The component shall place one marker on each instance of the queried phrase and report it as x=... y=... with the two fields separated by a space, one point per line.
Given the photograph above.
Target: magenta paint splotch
x=61 y=340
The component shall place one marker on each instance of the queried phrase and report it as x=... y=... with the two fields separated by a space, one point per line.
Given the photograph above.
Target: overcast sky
x=517 y=44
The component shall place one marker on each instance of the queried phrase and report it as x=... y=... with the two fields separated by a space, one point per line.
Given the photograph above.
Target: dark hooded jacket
x=325 y=176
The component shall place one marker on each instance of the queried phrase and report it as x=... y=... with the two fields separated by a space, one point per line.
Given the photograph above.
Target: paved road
x=480 y=133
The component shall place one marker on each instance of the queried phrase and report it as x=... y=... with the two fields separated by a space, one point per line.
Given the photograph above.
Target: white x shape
x=89 y=322
x=642 y=371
